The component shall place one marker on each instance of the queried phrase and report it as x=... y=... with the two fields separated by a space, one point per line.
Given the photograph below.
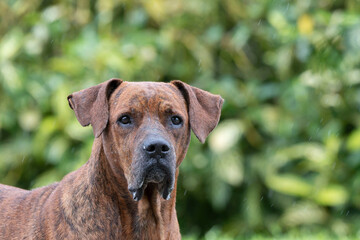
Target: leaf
x=353 y=141
x=305 y=24
x=332 y=195
x=303 y=213
x=229 y=168
x=289 y=184
x=10 y=44
x=225 y=135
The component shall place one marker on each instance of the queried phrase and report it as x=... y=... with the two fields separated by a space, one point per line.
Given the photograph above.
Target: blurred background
x=284 y=161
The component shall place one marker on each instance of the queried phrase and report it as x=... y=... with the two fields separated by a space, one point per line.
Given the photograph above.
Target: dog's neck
x=150 y=218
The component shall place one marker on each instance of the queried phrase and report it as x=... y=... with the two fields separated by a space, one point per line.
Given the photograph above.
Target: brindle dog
x=127 y=189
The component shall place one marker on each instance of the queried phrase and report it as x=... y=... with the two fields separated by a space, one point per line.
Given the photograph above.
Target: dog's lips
x=158 y=174
x=137 y=193
x=155 y=174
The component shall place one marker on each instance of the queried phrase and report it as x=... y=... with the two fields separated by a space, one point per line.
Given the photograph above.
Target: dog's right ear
x=91 y=105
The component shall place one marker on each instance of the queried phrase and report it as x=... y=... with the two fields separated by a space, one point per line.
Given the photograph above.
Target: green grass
x=216 y=235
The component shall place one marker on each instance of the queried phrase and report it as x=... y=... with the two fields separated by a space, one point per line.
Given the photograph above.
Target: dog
x=127 y=188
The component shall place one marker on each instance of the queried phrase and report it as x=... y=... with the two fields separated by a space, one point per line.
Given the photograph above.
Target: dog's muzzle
x=156 y=164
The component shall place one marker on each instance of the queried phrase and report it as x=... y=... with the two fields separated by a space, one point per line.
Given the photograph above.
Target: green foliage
x=286 y=153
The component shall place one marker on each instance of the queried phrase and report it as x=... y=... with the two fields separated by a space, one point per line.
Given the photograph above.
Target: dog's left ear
x=204 y=109
x=91 y=105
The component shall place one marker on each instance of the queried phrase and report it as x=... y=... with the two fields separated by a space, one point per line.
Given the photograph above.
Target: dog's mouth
x=157 y=174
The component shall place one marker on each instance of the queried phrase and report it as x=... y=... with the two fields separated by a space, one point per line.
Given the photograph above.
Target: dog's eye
x=176 y=120
x=124 y=120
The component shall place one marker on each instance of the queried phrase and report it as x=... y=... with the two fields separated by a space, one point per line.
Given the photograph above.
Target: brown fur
x=94 y=202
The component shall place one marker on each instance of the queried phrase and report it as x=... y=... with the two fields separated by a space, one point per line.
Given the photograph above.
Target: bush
x=285 y=155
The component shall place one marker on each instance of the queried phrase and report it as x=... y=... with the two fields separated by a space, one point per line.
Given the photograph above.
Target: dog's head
x=145 y=127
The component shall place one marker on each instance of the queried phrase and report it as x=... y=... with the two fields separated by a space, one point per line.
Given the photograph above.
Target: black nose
x=156 y=148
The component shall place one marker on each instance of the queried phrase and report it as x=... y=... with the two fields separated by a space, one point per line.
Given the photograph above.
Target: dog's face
x=146 y=127
x=150 y=131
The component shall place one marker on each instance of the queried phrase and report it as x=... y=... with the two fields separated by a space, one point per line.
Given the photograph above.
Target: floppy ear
x=204 y=109
x=91 y=105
